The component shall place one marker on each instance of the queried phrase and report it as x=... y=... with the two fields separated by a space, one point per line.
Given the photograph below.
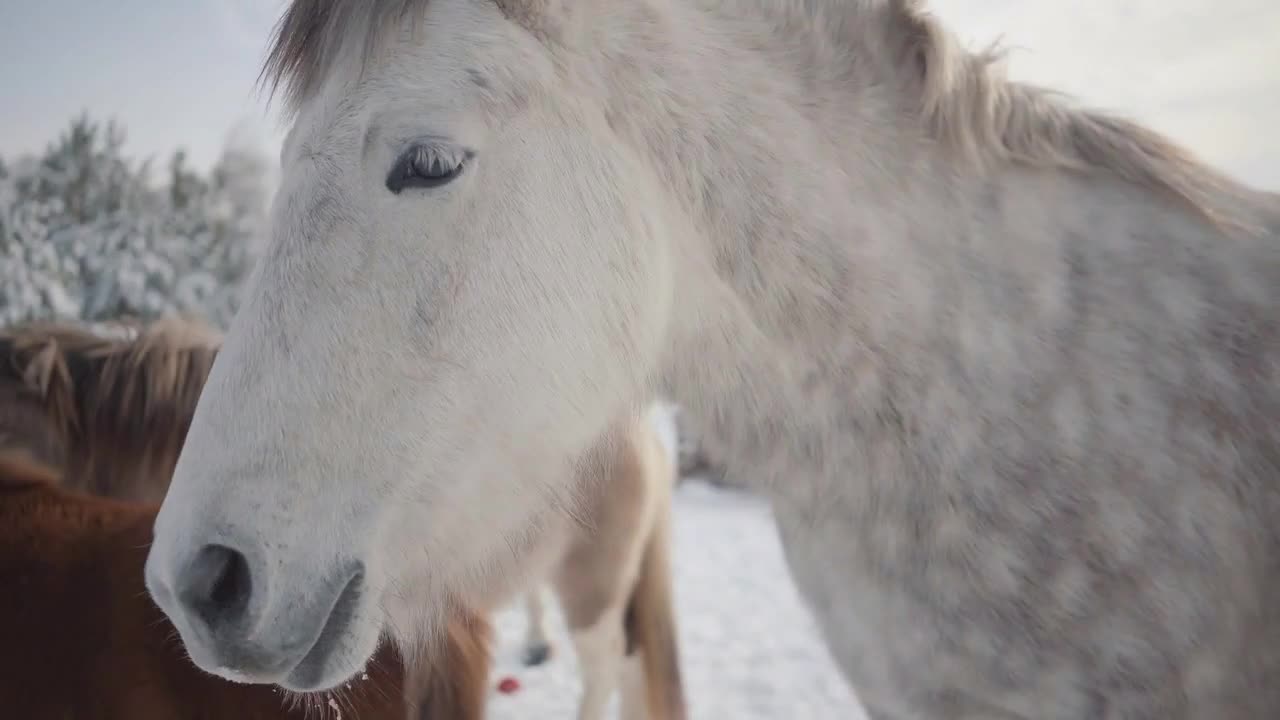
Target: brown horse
x=113 y=412
x=83 y=640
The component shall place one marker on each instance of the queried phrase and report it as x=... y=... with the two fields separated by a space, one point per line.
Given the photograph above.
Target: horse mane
x=964 y=98
x=119 y=404
x=969 y=105
x=311 y=33
x=124 y=379
x=20 y=468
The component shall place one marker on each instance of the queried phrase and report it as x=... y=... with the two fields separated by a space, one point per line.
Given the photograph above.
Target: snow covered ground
x=750 y=650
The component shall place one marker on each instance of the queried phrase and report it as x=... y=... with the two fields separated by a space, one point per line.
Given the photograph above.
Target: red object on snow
x=508 y=685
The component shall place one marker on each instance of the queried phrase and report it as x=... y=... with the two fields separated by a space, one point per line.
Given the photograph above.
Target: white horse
x=1008 y=369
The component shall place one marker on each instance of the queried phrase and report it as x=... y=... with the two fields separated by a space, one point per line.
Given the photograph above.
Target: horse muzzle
x=241 y=621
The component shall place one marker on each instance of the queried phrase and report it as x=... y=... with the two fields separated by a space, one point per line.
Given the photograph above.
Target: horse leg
x=537 y=644
x=597 y=578
x=633 y=706
x=601 y=648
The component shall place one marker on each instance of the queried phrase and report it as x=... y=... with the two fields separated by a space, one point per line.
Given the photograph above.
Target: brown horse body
x=83 y=640
x=90 y=429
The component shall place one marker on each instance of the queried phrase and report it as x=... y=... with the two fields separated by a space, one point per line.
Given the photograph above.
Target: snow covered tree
x=85 y=235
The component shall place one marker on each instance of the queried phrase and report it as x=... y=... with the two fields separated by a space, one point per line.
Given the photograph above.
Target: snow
x=86 y=235
x=750 y=649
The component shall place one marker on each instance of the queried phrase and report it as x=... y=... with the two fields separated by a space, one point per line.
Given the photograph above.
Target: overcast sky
x=182 y=72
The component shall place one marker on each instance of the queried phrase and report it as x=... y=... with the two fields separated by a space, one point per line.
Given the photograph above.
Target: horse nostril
x=231 y=588
x=218 y=586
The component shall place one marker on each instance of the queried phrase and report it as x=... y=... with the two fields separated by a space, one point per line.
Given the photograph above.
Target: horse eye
x=425 y=166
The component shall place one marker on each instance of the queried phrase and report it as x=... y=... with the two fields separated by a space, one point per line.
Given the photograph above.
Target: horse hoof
x=535 y=655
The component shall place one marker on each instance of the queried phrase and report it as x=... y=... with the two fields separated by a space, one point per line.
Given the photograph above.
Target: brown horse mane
x=120 y=406
x=19 y=468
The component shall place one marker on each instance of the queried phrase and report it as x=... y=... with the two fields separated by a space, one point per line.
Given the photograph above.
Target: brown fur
x=458 y=686
x=82 y=638
x=114 y=411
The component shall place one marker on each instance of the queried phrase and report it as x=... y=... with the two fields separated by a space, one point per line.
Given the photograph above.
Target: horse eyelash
x=447 y=155
x=425 y=155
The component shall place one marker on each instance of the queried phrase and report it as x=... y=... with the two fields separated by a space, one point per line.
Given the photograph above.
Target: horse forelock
x=965 y=100
x=311 y=34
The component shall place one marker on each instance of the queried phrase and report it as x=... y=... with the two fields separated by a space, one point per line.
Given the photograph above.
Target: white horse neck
x=841 y=222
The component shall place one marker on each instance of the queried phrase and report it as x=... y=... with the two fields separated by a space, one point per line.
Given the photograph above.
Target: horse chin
x=333 y=664
x=346 y=642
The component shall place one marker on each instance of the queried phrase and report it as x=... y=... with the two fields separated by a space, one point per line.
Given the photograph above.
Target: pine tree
x=84 y=234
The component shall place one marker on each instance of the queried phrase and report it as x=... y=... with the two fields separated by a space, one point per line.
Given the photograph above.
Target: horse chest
x=858 y=617
x=901 y=647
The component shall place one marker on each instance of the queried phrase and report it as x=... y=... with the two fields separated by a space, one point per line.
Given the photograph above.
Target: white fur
x=601 y=658
x=1007 y=369
x=632 y=701
x=662 y=417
